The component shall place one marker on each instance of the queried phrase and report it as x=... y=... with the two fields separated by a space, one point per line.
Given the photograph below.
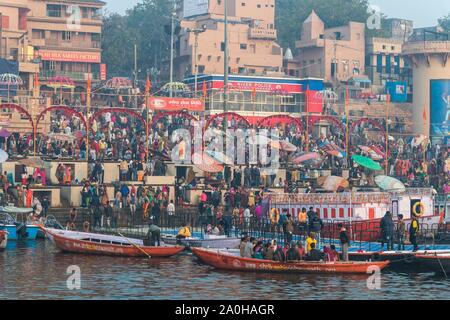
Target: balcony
x=59 y=43
x=27 y=63
x=427 y=47
x=75 y=76
x=260 y=33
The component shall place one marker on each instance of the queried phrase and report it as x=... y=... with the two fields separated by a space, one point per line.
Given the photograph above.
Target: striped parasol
x=306 y=157
x=204 y=162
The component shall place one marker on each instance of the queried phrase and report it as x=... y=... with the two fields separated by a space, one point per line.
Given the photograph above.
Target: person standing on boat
x=288 y=228
x=387 y=231
x=171 y=213
x=401 y=230
x=413 y=231
x=154 y=234
x=344 y=240
x=309 y=241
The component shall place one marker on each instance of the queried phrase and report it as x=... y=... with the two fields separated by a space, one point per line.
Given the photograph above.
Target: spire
x=288 y=55
x=313 y=17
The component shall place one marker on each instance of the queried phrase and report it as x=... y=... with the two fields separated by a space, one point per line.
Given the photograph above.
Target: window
x=66 y=35
x=5 y=22
x=243 y=46
x=38 y=34
x=54 y=10
x=85 y=13
x=95 y=37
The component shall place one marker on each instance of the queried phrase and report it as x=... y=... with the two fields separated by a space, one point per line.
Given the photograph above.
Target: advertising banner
x=70 y=56
x=103 y=71
x=440 y=107
x=176 y=104
x=195 y=7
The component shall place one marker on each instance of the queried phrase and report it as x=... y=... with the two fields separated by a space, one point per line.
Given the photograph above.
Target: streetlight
x=196 y=34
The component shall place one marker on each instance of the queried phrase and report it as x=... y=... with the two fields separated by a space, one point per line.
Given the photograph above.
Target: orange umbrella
x=332 y=183
x=205 y=163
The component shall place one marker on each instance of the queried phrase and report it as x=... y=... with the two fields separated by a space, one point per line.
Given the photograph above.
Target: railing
x=77 y=76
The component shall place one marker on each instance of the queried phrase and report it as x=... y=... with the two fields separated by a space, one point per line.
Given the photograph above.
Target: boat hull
x=31 y=231
x=232 y=262
x=215 y=243
x=73 y=245
x=432 y=262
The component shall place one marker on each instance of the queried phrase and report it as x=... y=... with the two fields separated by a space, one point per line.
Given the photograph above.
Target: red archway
x=66 y=109
x=21 y=110
x=314 y=119
x=280 y=118
x=117 y=110
x=226 y=114
x=374 y=123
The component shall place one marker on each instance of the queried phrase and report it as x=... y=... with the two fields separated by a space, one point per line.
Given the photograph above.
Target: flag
x=148 y=86
x=254 y=93
x=205 y=92
x=424 y=115
x=36 y=83
x=88 y=86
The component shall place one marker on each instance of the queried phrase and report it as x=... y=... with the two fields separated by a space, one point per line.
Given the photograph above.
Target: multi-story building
x=335 y=54
x=253 y=49
x=14 y=43
x=384 y=60
x=67 y=37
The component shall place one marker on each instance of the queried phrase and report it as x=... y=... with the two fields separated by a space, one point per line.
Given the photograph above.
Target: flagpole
x=147 y=94
x=307 y=118
x=88 y=108
x=388 y=98
x=347 y=125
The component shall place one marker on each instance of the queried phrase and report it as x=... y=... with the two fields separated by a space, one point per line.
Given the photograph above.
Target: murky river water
x=37 y=270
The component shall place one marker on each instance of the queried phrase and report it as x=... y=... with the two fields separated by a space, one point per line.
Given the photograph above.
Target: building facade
x=253 y=49
x=66 y=35
x=14 y=44
x=335 y=54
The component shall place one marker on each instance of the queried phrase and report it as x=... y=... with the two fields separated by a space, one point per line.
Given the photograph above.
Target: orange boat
x=99 y=244
x=230 y=260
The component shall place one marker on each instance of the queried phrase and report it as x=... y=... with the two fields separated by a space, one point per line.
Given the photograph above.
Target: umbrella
x=287 y=146
x=306 y=157
x=61 y=82
x=389 y=184
x=10 y=79
x=119 y=83
x=4 y=133
x=33 y=162
x=61 y=137
x=418 y=140
x=205 y=163
x=220 y=157
x=333 y=183
x=3 y=156
x=371 y=152
x=366 y=162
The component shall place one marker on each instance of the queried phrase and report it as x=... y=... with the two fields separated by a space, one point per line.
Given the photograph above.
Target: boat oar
x=134 y=245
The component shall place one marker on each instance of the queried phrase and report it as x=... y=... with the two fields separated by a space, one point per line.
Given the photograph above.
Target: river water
x=37 y=270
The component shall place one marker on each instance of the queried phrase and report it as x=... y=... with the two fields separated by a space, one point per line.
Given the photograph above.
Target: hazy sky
x=424 y=13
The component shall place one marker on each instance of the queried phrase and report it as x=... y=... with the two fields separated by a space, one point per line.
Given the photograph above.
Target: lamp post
x=196 y=33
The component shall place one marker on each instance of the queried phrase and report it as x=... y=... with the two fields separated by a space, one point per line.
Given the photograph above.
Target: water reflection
x=36 y=270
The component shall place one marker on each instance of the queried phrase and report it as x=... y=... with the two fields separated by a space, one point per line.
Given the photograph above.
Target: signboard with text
x=103 y=71
x=70 y=56
x=176 y=104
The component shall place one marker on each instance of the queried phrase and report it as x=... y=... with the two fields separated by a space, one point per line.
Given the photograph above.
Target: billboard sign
x=195 y=7
x=176 y=104
x=103 y=71
x=70 y=56
x=440 y=107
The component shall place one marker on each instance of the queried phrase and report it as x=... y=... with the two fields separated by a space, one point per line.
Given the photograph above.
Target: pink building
x=252 y=38
x=335 y=54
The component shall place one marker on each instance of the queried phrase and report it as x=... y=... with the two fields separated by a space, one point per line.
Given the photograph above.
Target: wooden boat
x=438 y=262
x=230 y=260
x=99 y=244
x=3 y=239
x=14 y=220
x=207 y=241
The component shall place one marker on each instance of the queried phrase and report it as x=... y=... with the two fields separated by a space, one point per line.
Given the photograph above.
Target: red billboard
x=176 y=104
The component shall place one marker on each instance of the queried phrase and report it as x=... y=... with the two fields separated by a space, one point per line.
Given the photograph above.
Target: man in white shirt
x=171 y=212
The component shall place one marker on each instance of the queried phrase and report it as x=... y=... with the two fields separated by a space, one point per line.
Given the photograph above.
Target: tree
x=444 y=22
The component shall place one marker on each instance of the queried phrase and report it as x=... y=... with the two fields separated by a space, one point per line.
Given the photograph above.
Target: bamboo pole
x=347 y=126
x=388 y=98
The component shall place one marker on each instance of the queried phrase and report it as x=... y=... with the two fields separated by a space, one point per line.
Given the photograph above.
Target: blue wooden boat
x=14 y=221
